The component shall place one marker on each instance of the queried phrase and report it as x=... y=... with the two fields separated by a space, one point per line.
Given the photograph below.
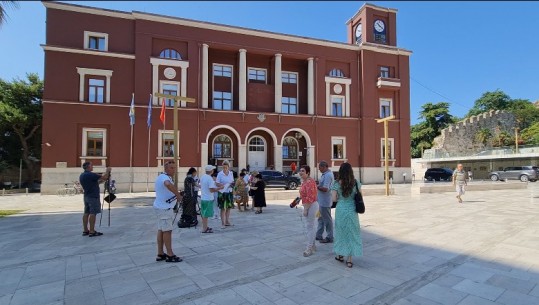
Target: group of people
x=219 y=192
x=318 y=200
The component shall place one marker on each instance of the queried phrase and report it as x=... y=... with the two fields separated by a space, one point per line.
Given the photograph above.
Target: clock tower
x=373 y=24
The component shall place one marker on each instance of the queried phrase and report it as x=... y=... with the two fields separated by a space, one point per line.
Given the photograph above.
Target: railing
x=492 y=152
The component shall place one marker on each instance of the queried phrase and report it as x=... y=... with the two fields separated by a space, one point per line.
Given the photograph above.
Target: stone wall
x=461 y=137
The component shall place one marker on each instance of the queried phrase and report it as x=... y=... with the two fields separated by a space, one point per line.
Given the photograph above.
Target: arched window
x=170 y=54
x=336 y=73
x=256 y=144
x=222 y=147
x=290 y=148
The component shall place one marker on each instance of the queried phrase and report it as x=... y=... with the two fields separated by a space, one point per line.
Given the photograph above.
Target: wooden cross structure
x=386 y=152
x=176 y=100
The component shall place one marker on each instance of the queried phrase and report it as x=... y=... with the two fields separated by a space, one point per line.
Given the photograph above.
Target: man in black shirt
x=90 y=183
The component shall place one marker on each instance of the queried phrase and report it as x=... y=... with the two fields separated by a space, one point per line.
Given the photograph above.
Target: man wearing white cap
x=207 y=187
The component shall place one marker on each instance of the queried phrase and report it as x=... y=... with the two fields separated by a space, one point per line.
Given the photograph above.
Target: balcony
x=388 y=83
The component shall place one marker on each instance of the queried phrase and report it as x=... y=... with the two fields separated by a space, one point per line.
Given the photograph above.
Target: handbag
x=358 y=200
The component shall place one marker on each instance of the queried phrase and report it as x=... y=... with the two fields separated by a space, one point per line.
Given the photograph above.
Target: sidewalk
x=419 y=249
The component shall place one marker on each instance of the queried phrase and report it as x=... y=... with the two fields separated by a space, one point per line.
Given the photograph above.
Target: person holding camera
x=225 y=178
x=90 y=184
x=308 y=196
x=208 y=188
x=259 y=198
x=166 y=195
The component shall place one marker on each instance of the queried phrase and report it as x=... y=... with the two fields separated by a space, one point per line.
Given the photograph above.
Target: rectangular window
x=170 y=89
x=96 y=41
x=390 y=145
x=222 y=70
x=94 y=143
x=289 y=105
x=257 y=75
x=289 y=78
x=386 y=108
x=337 y=146
x=96 y=90
x=222 y=150
x=167 y=140
x=222 y=100
x=384 y=72
x=290 y=152
x=337 y=106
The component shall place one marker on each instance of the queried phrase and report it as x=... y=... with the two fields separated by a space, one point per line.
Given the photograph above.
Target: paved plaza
x=418 y=249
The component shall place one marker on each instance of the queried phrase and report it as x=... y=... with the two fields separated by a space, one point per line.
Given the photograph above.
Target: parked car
x=276 y=178
x=522 y=173
x=438 y=174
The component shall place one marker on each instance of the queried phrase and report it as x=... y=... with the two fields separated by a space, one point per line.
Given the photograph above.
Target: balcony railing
x=388 y=83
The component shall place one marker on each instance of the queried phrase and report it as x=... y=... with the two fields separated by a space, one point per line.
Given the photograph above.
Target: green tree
x=526 y=113
x=436 y=117
x=530 y=135
x=20 y=119
x=496 y=100
x=483 y=136
x=3 y=13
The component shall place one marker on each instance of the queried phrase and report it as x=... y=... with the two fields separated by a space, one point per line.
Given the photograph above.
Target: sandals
x=161 y=257
x=85 y=233
x=94 y=234
x=208 y=230
x=229 y=225
x=173 y=259
x=349 y=264
x=340 y=258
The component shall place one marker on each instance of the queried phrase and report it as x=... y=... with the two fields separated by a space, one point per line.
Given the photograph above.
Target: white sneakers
x=309 y=251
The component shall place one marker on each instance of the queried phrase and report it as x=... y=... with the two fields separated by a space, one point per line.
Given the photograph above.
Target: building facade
x=261 y=99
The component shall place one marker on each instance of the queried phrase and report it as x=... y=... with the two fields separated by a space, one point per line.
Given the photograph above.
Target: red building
x=262 y=99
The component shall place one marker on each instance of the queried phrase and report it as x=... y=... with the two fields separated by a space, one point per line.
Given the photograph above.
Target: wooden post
x=176 y=100
x=386 y=152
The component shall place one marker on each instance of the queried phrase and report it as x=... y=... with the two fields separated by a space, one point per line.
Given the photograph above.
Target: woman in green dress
x=347 y=239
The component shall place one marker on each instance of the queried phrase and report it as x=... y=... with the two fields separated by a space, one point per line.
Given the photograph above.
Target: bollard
x=3 y=192
x=26 y=191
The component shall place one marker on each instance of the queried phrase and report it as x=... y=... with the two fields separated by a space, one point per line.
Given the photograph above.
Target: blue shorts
x=92 y=205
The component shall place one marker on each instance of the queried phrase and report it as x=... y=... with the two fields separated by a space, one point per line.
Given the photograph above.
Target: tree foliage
x=530 y=135
x=20 y=121
x=435 y=118
x=3 y=13
x=496 y=100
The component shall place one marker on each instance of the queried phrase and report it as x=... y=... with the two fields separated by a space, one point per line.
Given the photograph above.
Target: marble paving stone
x=144 y=297
x=535 y=291
x=413 y=299
x=88 y=297
x=474 y=300
x=442 y=295
x=516 y=298
x=40 y=294
x=511 y=283
x=344 y=287
x=484 y=291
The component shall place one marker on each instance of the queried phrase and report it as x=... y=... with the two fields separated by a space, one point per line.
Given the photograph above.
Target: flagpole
x=132 y=122
x=149 y=129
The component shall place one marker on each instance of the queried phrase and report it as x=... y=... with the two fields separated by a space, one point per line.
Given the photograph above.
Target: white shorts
x=460 y=189
x=164 y=219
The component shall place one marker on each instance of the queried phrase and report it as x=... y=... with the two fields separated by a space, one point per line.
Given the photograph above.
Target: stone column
x=347 y=100
x=278 y=83
x=183 y=85
x=278 y=157
x=243 y=81
x=203 y=155
x=242 y=156
x=205 y=76
x=310 y=86
x=155 y=78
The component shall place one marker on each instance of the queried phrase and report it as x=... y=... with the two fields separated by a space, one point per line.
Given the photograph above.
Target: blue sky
x=460 y=49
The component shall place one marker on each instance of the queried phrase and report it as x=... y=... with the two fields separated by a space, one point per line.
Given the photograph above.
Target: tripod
x=108 y=198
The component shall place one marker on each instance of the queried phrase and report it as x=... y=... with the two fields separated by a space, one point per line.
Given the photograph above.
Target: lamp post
x=386 y=152
x=20 y=174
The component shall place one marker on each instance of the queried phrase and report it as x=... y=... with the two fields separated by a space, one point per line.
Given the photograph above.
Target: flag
x=162 y=116
x=150 y=112
x=132 y=111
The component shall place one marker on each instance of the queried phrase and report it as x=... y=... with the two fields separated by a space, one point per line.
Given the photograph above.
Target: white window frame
x=160 y=144
x=223 y=65
x=96 y=96
x=346 y=82
x=231 y=147
x=343 y=103
x=390 y=102
x=162 y=83
x=88 y=34
x=85 y=131
x=289 y=73
x=222 y=108
x=282 y=103
x=263 y=140
x=249 y=79
x=391 y=156
x=99 y=72
x=297 y=148
x=334 y=140
x=382 y=71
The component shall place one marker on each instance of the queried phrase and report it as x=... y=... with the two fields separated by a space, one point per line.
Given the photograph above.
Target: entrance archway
x=257 y=153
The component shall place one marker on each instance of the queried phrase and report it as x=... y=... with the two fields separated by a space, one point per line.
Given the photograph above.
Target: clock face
x=379 y=26
x=359 y=32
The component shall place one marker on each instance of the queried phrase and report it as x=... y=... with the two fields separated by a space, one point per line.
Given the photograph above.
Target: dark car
x=276 y=178
x=438 y=174
x=522 y=173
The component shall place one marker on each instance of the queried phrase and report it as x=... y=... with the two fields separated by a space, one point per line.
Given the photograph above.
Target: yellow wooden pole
x=386 y=150
x=176 y=151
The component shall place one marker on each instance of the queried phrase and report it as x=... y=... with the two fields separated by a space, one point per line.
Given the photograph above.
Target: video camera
x=295 y=202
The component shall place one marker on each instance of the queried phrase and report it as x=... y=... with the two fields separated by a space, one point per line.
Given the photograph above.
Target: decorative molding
x=86 y=52
x=261 y=117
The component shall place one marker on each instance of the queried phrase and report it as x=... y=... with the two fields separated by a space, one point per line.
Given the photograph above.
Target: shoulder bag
x=358 y=199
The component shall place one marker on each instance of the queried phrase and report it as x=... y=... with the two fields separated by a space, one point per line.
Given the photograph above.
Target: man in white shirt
x=166 y=195
x=207 y=187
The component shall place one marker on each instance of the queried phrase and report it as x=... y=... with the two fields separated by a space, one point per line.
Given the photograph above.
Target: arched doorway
x=257 y=153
